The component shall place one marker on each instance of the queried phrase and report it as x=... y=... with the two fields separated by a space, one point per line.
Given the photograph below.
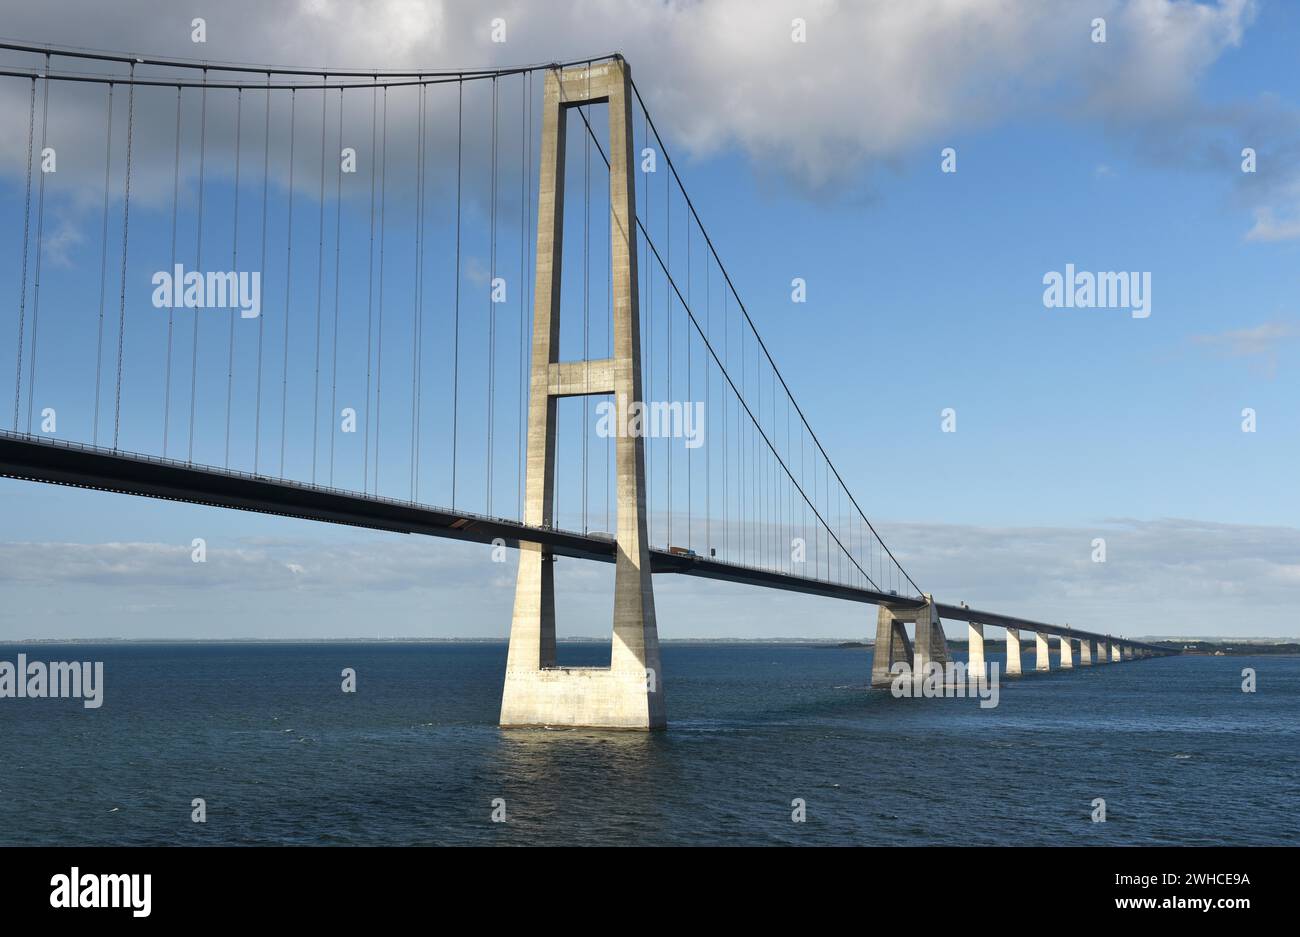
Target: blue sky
x=924 y=293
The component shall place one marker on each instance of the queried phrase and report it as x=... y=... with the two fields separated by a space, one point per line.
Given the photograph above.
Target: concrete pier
x=1013 y=652
x=1075 y=648
x=892 y=645
x=629 y=693
x=975 y=650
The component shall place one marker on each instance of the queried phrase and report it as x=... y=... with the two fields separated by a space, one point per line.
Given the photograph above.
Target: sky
x=820 y=160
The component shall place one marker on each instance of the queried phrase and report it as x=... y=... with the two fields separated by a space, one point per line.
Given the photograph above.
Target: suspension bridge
x=513 y=256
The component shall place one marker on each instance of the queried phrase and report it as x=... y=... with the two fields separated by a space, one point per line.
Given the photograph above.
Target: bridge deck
x=57 y=462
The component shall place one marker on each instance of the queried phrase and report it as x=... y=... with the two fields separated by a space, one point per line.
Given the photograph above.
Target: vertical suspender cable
x=379 y=333
x=103 y=266
x=370 y=280
x=689 y=402
x=586 y=290
x=334 y=342
x=455 y=340
x=524 y=83
x=27 y=215
x=416 y=312
x=40 y=236
x=742 y=509
x=234 y=264
x=668 y=344
x=646 y=387
x=492 y=315
x=555 y=478
x=320 y=275
x=171 y=310
x=288 y=280
x=757 y=465
x=126 y=218
x=708 y=380
x=424 y=198
x=726 y=445
x=419 y=374
x=609 y=353
x=261 y=319
x=415 y=289
x=194 y=354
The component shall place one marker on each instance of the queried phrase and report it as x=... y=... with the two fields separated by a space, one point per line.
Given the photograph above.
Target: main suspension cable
x=713 y=250
x=755 y=425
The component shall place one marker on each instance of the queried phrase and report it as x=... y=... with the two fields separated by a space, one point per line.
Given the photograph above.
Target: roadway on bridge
x=36 y=458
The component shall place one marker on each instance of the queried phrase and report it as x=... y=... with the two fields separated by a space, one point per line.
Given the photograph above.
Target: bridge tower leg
x=1067 y=651
x=628 y=694
x=1114 y=653
x=1085 y=652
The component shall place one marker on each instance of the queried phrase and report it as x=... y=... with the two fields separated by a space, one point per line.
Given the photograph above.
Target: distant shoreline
x=1281 y=647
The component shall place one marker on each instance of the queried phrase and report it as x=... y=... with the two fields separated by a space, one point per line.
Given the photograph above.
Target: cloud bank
x=871 y=81
x=1167 y=576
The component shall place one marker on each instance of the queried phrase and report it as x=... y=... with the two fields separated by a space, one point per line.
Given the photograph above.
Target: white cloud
x=60 y=243
x=873 y=79
x=1161 y=576
x=248 y=566
x=1258 y=344
x=1269 y=227
x=1257 y=340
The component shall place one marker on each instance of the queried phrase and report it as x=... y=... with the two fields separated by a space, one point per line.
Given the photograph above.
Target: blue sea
x=263 y=733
